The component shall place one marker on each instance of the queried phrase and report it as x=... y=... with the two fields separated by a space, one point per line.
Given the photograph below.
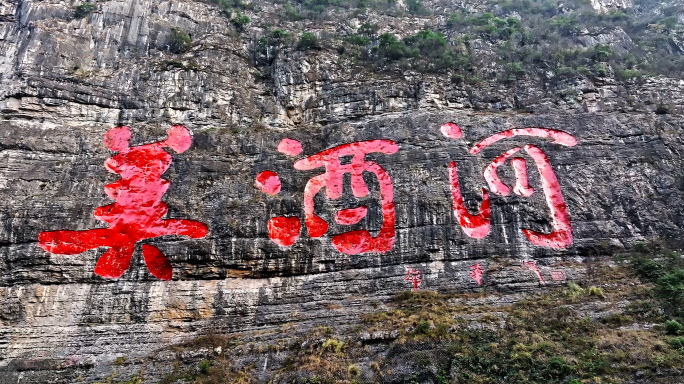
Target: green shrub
x=647 y=268
x=474 y=80
x=617 y=319
x=627 y=74
x=670 y=23
x=600 y=70
x=423 y=328
x=542 y=36
x=358 y=40
x=204 y=366
x=134 y=380
x=584 y=70
x=391 y=48
x=227 y=6
x=666 y=270
x=269 y=44
x=446 y=61
x=515 y=69
x=224 y=6
x=429 y=44
x=662 y=109
x=308 y=41
x=556 y=368
x=279 y=35
x=333 y=345
x=367 y=29
x=291 y=12
x=671 y=287
x=672 y=327
x=318 y=6
x=488 y=25
x=596 y=291
x=677 y=343
x=84 y=9
x=514 y=23
x=240 y=21
x=602 y=52
x=483 y=19
x=566 y=25
x=353 y=371
x=566 y=72
x=416 y=6
x=180 y=41
x=456 y=19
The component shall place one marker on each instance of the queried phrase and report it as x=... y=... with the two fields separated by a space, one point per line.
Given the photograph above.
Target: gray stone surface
x=64 y=82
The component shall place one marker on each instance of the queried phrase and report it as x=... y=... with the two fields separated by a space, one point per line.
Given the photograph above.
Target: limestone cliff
x=66 y=79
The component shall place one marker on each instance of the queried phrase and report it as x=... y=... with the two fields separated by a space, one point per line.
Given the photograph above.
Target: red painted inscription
x=477 y=226
x=138 y=211
x=476 y=273
x=360 y=241
x=413 y=275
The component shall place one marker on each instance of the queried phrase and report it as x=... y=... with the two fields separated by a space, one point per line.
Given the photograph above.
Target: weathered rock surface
x=64 y=82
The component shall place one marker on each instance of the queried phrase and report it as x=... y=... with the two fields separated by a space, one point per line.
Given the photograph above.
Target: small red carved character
x=413 y=275
x=477 y=226
x=137 y=213
x=558 y=275
x=476 y=273
x=533 y=267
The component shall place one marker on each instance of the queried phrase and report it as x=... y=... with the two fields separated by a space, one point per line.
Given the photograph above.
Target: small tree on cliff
x=308 y=41
x=180 y=41
x=84 y=9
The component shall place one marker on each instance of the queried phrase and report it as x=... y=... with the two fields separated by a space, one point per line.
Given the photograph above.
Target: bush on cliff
x=665 y=269
x=180 y=41
x=227 y=6
x=308 y=41
x=240 y=21
x=429 y=44
x=391 y=48
x=292 y=13
x=416 y=7
x=84 y=9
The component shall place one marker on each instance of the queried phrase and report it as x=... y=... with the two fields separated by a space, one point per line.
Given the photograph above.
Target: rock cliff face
x=65 y=81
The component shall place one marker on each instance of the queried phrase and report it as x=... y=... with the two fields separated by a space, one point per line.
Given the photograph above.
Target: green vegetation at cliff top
x=500 y=40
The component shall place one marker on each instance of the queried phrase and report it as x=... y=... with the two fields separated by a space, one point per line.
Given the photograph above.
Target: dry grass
x=546 y=337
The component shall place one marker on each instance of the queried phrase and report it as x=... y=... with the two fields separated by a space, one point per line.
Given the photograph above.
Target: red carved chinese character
x=533 y=267
x=137 y=213
x=356 y=241
x=285 y=230
x=477 y=226
x=476 y=273
x=558 y=275
x=413 y=275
